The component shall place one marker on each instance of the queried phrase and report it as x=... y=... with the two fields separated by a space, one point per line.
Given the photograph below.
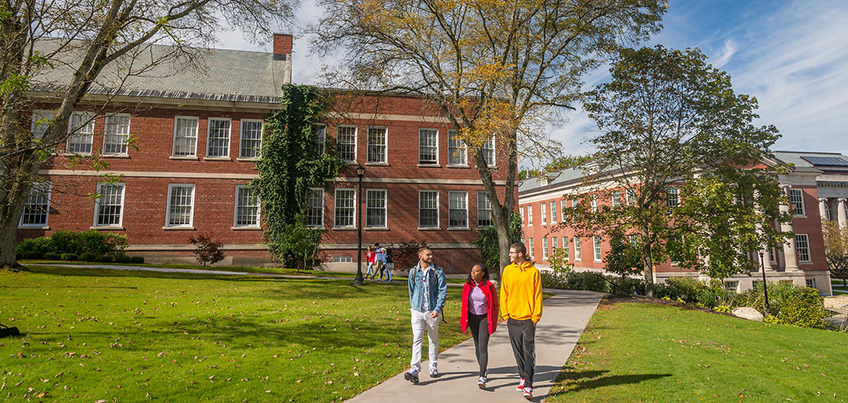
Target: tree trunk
x=8 y=235
x=647 y=264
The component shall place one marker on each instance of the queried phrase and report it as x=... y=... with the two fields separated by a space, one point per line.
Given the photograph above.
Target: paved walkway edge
x=564 y=317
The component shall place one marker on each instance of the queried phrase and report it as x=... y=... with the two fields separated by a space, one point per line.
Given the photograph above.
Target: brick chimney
x=283 y=53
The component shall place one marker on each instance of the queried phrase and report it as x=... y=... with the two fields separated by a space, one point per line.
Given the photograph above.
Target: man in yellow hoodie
x=521 y=307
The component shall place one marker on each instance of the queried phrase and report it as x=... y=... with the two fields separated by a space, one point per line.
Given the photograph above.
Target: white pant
x=420 y=321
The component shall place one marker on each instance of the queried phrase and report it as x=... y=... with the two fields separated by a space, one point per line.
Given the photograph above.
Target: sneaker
x=411 y=376
x=528 y=393
x=520 y=386
x=481 y=382
x=434 y=372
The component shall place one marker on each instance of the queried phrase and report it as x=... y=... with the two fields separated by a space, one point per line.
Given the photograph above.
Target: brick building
x=817 y=188
x=183 y=145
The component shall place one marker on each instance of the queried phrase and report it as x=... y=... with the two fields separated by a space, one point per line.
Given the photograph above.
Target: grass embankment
x=94 y=335
x=641 y=352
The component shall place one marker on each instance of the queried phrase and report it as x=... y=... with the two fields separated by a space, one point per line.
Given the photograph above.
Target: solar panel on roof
x=830 y=161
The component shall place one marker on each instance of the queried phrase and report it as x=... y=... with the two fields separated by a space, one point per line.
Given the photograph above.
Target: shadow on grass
x=579 y=381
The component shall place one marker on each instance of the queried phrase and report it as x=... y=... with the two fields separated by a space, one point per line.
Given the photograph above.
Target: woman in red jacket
x=480 y=313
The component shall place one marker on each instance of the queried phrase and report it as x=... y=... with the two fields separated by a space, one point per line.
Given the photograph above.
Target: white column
x=761 y=230
x=791 y=258
x=823 y=209
x=840 y=211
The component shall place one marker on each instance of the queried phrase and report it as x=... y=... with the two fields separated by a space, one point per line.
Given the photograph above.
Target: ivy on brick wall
x=291 y=162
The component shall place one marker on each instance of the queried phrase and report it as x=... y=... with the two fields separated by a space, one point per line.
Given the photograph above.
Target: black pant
x=480 y=330
x=522 y=337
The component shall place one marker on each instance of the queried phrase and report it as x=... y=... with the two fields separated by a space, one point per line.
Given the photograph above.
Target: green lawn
x=121 y=336
x=637 y=352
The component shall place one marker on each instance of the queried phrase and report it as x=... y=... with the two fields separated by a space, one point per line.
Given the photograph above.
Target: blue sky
x=792 y=55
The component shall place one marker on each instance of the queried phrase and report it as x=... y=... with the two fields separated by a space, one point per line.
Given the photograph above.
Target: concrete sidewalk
x=564 y=317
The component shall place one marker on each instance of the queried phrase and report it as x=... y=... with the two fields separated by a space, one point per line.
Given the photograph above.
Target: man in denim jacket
x=427 y=292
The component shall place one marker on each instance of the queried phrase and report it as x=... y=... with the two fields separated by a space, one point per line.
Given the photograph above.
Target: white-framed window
x=578 y=254
x=530 y=249
x=180 y=211
x=554 y=246
x=342 y=259
x=484 y=210
x=524 y=215
x=796 y=198
x=109 y=206
x=488 y=150
x=346 y=143
x=40 y=122
x=376 y=150
x=375 y=208
x=116 y=135
x=218 y=137
x=631 y=197
x=566 y=250
x=574 y=204
x=185 y=136
x=543 y=210
x=458 y=209
x=802 y=245
x=810 y=282
x=250 y=138
x=247 y=207
x=596 y=243
x=731 y=286
x=80 y=133
x=552 y=205
x=545 y=248
x=428 y=208
x=593 y=199
x=345 y=208
x=672 y=196
x=562 y=210
x=319 y=135
x=36 y=206
x=457 y=150
x=530 y=214
x=315 y=207
x=428 y=146
x=616 y=198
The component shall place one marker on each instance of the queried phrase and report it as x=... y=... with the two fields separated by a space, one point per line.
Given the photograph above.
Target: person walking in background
x=379 y=256
x=480 y=313
x=427 y=292
x=369 y=257
x=521 y=307
x=390 y=264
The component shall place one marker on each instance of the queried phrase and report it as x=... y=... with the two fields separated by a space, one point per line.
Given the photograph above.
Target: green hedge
x=78 y=243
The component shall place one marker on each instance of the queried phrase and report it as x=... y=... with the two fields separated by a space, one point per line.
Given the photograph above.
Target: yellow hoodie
x=521 y=292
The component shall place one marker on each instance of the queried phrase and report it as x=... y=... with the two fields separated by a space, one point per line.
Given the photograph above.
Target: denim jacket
x=437 y=286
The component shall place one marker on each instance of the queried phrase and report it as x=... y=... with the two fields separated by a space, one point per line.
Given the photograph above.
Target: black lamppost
x=765 y=285
x=360 y=170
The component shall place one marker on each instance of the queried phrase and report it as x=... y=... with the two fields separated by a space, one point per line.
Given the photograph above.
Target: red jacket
x=491 y=296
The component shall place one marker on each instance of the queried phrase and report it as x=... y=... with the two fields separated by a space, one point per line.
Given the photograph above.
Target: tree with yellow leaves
x=495 y=68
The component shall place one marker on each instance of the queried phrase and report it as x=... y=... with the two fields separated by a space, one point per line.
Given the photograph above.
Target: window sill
x=807 y=263
x=429 y=229
x=107 y=228
x=33 y=227
x=799 y=216
x=420 y=165
x=459 y=229
x=188 y=158
x=247 y=159
x=178 y=228
x=377 y=164
x=217 y=159
x=246 y=228
x=344 y=228
x=459 y=166
x=125 y=156
x=376 y=228
x=75 y=154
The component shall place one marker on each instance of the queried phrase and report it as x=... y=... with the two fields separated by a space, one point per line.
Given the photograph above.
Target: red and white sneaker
x=520 y=386
x=528 y=393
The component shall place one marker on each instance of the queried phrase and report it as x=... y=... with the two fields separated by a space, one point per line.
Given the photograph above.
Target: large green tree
x=836 y=250
x=291 y=163
x=56 y=51
x=495 y=68
x=678 y=148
